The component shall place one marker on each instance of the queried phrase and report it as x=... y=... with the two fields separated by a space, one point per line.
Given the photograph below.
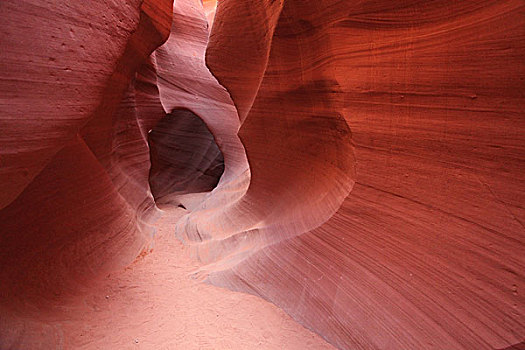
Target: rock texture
x=74 y=187
x=360 y=164
x=427 y=251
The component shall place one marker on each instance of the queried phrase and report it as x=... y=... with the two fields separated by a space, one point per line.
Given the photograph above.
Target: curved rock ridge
x=304 y=126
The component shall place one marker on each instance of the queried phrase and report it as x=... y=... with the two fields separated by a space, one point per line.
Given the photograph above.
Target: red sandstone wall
x=74 y=155
x=427 y=250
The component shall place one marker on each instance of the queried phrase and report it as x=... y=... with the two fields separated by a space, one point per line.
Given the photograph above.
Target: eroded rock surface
x=425 y=252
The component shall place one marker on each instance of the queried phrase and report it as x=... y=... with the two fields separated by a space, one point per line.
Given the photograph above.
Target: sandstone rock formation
x=426 y=252
x=360 y=164
x=75 y=161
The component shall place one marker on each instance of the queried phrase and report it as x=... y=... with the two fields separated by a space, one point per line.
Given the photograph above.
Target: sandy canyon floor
x=155 y=304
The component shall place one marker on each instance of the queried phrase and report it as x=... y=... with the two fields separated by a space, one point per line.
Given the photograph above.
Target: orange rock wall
x=426 y=251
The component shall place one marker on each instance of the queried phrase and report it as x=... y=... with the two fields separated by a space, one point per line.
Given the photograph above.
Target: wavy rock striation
x=426 y=250
x=357 y=163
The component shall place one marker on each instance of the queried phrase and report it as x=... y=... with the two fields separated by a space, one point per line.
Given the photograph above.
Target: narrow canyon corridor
x=267 y=174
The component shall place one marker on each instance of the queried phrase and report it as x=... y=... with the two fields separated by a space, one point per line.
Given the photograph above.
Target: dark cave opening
x=184 y=157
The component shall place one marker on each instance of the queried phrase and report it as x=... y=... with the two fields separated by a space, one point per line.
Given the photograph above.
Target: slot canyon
x=269 y=174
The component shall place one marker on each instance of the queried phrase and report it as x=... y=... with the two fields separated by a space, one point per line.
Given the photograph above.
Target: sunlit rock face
x=210 y=8
x=360 y=164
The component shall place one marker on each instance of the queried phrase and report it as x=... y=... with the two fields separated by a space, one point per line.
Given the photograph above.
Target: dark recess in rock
x=184 y=156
